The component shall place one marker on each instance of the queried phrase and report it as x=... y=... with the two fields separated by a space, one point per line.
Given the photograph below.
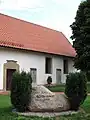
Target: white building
x=30 y=47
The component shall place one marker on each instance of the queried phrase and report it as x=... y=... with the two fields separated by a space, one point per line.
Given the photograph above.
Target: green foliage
x=6 y=114
x=21 y=88
x=81 y=36
x=88 y=76
x=61 y=88
x=49 y=80
x=57 y=88
x=86 y=105
x=76 y=89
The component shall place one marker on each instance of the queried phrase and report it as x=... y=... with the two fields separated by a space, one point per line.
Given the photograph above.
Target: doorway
x=8 y=69
x=9 y=75
x=33 y=72
x=58 y=76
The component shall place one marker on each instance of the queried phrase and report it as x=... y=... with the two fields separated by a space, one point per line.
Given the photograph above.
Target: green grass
x=88 y=87
x=5 y=111
x=86 y=105
x=6 y=114
x=61 y=88
x=57 y=88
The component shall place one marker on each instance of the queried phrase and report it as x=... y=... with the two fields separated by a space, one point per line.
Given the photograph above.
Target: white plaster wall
x=57 y=64
x=70 y=64
x=27 y=60
x=71 y=69
x=1 y=75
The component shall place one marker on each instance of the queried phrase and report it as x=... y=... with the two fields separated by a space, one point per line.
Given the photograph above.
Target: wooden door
x=58 y=76
x=9 y=74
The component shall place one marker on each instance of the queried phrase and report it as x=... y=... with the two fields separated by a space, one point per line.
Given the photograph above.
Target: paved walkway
x=4 y=92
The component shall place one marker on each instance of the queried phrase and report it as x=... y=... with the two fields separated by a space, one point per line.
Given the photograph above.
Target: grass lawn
x=6 y=114
x=61 y=88
x=57 y=88
x=86 y=105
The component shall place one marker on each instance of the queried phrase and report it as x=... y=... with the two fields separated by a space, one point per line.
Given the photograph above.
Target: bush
x=49 y=80
x=21 y=88
x=76 y=89
x=88 y=76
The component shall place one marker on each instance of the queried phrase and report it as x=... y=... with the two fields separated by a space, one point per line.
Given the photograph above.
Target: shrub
x=49 y=80
x=21 y=88
x=76 y=89
x=88 y=76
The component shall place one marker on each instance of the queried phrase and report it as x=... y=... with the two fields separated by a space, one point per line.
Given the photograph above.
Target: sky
x=54 y=14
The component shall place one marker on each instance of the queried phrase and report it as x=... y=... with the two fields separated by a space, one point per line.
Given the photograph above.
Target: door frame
x=56 y=75
x=36 y=75
x=9 y=73
x=9 y=65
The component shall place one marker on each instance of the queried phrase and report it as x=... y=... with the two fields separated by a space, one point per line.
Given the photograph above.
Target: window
x=65 y=66
x=48 y=65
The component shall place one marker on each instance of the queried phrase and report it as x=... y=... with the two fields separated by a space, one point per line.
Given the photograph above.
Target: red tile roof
x=24 y=35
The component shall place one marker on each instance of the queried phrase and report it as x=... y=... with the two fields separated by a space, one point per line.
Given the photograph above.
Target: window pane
x=48 y=66
x=65 y=66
